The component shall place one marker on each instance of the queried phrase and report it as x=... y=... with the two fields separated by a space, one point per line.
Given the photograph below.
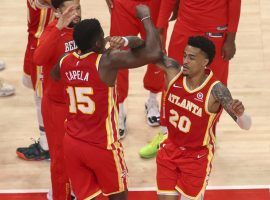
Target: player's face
x=194 y=61
x=77 y=5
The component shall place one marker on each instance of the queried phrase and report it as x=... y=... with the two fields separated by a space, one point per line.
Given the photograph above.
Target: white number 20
x=80 y=100
x=182 y=122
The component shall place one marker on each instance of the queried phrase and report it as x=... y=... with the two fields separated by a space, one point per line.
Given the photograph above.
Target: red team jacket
x=53 y=44
x=202 y=15
x=188 y=120
x=37 y=18
x=93 y=115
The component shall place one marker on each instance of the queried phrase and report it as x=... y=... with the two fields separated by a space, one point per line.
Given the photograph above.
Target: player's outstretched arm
x=118 y=42
x=233 y=107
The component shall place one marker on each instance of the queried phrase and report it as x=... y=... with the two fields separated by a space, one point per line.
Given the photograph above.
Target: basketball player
x=124 y=22
x=193 y=101
x=93 y=153
x=217 y=20
x=39 y=16
x=56 y=40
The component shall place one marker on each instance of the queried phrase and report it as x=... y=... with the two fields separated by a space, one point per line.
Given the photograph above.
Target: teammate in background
x=89 y=75
x=5 y=88
x=39 y=16
x=217 y=20
x=56 y=40
x=193 y=101
x=124 y=22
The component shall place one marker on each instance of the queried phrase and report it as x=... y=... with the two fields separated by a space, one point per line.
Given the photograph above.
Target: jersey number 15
x=80 y=100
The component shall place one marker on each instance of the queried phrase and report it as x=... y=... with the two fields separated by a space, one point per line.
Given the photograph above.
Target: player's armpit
x=222 y=94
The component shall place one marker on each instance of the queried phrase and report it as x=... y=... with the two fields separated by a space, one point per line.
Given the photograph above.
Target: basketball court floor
x=241 y=168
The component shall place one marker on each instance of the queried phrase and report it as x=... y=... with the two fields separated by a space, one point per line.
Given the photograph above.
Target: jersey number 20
x=182 y=122
x=80 y=100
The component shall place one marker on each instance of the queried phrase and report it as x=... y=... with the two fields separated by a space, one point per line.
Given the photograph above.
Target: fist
x=116 y=42
x=237 y=107
x=142 y=11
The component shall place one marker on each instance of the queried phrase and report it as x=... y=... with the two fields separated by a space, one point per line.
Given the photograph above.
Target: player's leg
x=111 y=172
x=123 y=22
x=32 y=79
x=83 y=179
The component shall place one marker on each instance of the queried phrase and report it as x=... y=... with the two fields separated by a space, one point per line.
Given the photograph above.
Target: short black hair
x=206 y=45
x=58 y=3
x=86 y=33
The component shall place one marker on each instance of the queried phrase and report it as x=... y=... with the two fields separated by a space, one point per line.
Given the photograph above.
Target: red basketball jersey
x=189 y=122
x=54 y=43
x=93 y=115
x=38 y=18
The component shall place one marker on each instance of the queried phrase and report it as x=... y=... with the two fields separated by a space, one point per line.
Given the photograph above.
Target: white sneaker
x=2 y=65
x=122 y=125
x=152 y=112
x=6 y=89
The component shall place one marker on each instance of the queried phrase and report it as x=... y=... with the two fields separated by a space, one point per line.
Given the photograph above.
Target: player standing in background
x=124 y=22
x=56 y=40
x=93 y=152
x=217 y=20
x=193 y=102
x=39 y=15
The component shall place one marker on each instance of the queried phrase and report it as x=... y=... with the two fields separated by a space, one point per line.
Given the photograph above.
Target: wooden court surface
x=242 y=158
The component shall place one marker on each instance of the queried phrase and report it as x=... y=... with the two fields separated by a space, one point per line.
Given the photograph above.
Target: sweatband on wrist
x=126 y=41
x=244 y=121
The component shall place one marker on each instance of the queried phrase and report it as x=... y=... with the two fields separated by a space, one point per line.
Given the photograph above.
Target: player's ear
x=57 y=13
x=205 y=62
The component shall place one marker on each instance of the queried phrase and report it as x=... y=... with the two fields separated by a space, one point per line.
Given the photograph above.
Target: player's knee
x=26 y=80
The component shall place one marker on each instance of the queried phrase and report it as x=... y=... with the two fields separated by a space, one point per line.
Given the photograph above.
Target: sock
x=153 y=96
x=43 y=139
x=164 y=130
x=121 y=109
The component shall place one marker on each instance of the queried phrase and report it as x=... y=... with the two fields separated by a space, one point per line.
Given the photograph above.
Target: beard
x=73 y=24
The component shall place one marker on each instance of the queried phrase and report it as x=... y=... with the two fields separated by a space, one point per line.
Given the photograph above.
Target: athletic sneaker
x=150 y=150
x=33 y=153
x=152 y=112
x=122 y=125
x=2 y=65
x=6 y=89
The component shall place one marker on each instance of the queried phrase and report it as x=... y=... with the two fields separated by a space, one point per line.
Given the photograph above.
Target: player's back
x=38 y=18
x=188 y=120
x=92 y=115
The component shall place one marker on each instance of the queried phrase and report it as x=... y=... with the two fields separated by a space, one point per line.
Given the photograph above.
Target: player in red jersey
x=217 y=20
x=124 y=22
x=193 y=101
x=56 y=40
x=39 y=15
x=93 y=152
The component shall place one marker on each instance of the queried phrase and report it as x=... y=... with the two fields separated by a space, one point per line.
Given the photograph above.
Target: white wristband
x=145 y=18
x=126 y=41
x=244 y=121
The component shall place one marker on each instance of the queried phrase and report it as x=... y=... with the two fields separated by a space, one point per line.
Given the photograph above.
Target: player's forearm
x=46 y=47
x=233 y=15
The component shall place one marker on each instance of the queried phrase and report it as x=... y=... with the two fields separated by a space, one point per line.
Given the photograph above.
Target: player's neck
x=196 y=81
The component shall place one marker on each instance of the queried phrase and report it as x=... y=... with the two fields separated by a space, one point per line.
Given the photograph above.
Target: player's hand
x=110 y=5
x=228 y=50
x=116 y=42
x=67 y=17
x=142 y=11
x=237 y=107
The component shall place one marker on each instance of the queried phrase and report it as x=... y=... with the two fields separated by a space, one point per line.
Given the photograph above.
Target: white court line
x=240 y=187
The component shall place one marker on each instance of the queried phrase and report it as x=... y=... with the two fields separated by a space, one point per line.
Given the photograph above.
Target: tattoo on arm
x=222 y=94
x=135 y=42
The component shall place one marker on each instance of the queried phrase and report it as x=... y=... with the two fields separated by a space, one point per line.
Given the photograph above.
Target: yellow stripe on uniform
x=119 y=170
x=207 y=132
x=93 y=195
x=109 y=129
x=42 y=21
x=38 y=86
